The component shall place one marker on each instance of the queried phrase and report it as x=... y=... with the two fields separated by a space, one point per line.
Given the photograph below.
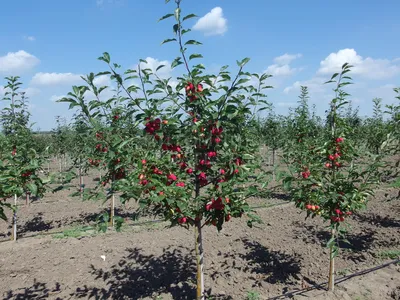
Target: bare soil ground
x=285 y=255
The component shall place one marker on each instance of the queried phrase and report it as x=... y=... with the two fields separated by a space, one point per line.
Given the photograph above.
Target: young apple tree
x=195 y=159
x=334 y=181
x=19 y=162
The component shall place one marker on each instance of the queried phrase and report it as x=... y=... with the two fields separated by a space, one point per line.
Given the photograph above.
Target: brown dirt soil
x=153 y=261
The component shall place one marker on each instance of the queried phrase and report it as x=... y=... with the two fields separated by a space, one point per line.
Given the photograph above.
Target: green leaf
x=32 y=188
x=243 y=62
x=177 y=14
x=189 y=16
x=175 y=28
x=176 y=62
x=165 y=17
x=193 y=42
x=167 y=41
x=195 y=55
x=105 y=57
x=242 y=80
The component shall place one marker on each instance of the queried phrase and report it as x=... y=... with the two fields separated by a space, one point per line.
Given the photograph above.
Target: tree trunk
x=331 y=282
x=80 y=179
x=273 y=164
x=14 y=230
x=112 y=209
x=27 y=202
x=199 y=262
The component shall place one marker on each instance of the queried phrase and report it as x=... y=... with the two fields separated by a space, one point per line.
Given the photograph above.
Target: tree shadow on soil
x=92 y=217
x=38 y=290
x=269 y=266
x=274 y=266
x=138 y=275
x=356 y=243
x=377 y=220
x=35 y=224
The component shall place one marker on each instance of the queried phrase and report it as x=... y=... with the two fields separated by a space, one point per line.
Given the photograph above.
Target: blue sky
x=51 y=43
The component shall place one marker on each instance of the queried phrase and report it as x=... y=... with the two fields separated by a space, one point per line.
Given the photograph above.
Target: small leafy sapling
x=302 y=131
x=375 y=128
x=272 y=132
x=112 y=136
x=334 y=182
x=19 y=162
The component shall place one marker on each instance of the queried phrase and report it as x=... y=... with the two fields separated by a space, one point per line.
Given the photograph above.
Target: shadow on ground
x=356 y=242
x=261 y=265
x=377 y=220
x=138 y=275
x=38 y=290
x=273 y=266
x=35 y=224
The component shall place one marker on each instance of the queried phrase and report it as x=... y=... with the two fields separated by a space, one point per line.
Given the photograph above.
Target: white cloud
x=153 y=64
x=15 y=62
x=282 y=67
x=384 y=91
x=315 y=85
x=55 y=79
x=102 y=3
x=286 y=104
x=54 y=98
x=213 y=23
x=30 y=38
x=102 y=80
x=31 y=91
x=277 y=70
x=2 y=90
x=366 y=67
x=286 y=58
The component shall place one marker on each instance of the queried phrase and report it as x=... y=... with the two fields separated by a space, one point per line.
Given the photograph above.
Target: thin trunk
x=27 y=202
x=199 y=261
x=199 y=252
x=80 y=179
x=112 y=209
x=14 y=230
x=331 y=282
x=273 y=164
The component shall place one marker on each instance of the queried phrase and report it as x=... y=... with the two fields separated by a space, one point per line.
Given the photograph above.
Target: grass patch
x=76 y=232
x=396 y=183
x=392 y=254
x=251 y=295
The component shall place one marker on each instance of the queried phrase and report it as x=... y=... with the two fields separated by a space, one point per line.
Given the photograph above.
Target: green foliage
x=389 y=254
x=375 y=129
x=197 y=150
x=331 y=179
x=19 y=162
x=252 y=295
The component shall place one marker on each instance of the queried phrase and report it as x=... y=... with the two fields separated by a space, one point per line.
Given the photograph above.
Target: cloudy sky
x=50 y=44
